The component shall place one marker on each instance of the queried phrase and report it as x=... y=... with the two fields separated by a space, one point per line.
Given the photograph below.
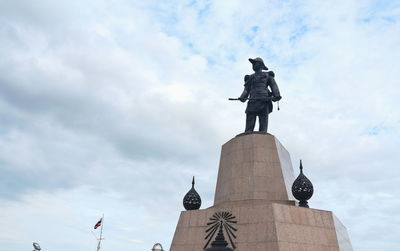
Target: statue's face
x=257 y=66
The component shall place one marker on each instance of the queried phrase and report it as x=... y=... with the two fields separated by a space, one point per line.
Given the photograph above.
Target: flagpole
x=101 y=233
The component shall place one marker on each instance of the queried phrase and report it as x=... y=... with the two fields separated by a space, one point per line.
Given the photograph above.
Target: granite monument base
x=254 y=185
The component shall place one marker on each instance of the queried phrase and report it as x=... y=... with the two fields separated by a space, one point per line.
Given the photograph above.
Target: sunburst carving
x=221 y=220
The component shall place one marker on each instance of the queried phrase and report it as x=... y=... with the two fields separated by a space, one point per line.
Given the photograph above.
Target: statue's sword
x=263 y=99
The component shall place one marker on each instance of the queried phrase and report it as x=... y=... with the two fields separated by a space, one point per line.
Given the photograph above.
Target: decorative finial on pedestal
x=192 y=200
x=302 y=188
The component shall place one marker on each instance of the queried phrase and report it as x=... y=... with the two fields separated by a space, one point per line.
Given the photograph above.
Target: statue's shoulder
x=265 y=74
x=252 y=76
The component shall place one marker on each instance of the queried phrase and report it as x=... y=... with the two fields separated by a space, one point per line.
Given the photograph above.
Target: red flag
x=98 y=224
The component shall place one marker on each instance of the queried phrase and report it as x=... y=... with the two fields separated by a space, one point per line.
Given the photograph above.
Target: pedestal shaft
x=254 y=166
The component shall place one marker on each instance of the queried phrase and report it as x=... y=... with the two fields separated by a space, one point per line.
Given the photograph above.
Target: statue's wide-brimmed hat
x=253 y=60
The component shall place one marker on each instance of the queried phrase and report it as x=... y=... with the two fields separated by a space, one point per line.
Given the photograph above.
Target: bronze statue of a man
x=258 y=95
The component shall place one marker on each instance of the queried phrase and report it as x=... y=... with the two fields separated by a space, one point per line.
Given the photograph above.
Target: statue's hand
x=242 y=99
x=276 y=98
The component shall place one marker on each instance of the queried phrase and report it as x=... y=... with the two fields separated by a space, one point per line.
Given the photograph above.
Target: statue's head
x=258 y=64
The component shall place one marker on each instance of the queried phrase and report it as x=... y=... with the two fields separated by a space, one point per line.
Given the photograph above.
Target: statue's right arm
x=246 y=90
x=244 y=95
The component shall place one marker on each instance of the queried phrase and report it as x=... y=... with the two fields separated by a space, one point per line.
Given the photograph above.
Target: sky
x=112 y=106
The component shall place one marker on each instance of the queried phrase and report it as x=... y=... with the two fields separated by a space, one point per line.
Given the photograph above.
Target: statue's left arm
x=274 y=88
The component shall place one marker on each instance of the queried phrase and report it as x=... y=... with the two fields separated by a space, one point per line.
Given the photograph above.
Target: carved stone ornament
x=218 y=222
x=302 y=188
x=192 y=200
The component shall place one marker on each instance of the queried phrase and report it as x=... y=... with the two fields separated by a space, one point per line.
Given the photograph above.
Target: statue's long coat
x=256 y=86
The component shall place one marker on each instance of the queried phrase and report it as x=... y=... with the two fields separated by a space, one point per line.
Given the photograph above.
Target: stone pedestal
x=254 y=166
x=254 y=184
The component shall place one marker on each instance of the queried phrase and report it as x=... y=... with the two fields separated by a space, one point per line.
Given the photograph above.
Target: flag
x=98 y=224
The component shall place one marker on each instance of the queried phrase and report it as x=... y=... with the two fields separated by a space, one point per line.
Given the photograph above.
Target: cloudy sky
x=111 y=107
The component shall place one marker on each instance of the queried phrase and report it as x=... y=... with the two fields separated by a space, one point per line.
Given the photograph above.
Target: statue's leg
x=263 y=120
x=250 y=121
